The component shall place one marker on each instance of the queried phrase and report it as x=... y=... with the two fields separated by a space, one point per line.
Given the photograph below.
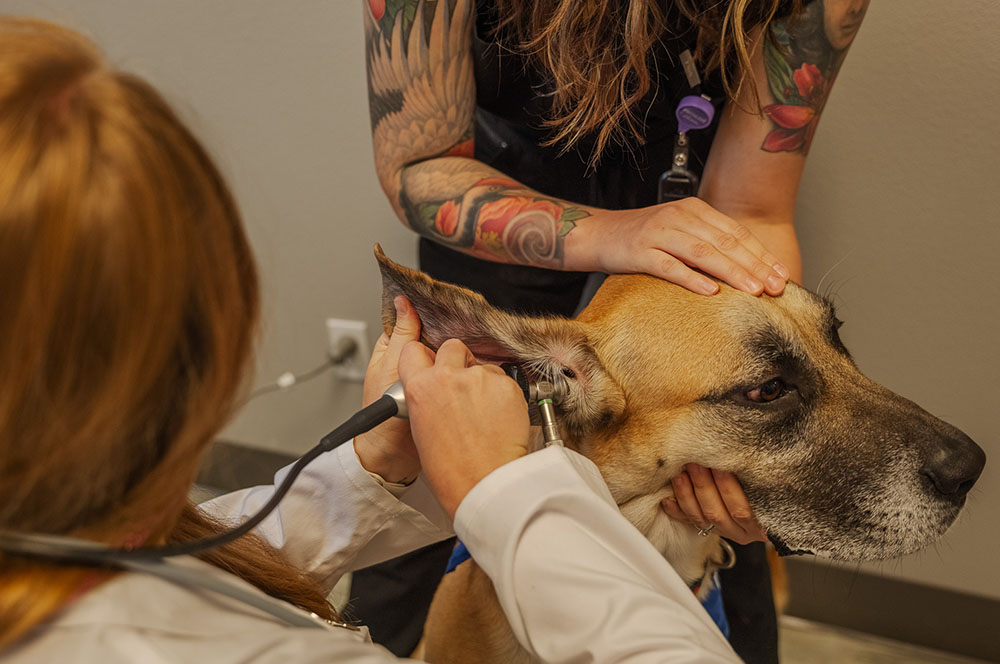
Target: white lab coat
x=577 y=582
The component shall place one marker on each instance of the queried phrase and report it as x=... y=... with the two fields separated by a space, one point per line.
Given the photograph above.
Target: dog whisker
x=819 y=286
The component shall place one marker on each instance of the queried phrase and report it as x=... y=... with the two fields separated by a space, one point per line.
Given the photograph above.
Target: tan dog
x=832 y=463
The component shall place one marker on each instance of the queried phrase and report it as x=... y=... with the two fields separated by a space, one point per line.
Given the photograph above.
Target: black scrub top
x=509 y=136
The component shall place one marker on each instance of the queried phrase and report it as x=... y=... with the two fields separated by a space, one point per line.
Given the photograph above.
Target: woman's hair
x=597 y=54
x=128 y=304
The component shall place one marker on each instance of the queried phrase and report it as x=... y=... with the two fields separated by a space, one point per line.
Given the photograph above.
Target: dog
x=832 y=463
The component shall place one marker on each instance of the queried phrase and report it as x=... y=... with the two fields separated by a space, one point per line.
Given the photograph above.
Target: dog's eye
x=768 y=392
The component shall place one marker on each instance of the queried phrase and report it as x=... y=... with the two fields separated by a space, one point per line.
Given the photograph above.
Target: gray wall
x=897 y=206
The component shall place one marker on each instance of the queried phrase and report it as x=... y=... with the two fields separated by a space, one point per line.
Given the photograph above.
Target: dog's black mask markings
x=838 y=464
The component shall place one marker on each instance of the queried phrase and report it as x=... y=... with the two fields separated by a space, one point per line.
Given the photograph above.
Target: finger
x=708 y=248
x=673 y=510
x=414 y=357
x=454 y=354
x=661 y=263
x=407 y=327
x=712 y=506
x=492 y=368
x=388 y=348
x=739 y=242
x=737 y=503
x=705 y=256
x=742 y=270
x=684 y=493
x=740 y=232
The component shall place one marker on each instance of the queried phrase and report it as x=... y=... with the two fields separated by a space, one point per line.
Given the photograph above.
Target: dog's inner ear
x=552 y=348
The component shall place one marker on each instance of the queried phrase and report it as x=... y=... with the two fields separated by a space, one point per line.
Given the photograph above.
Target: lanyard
x=693 y=112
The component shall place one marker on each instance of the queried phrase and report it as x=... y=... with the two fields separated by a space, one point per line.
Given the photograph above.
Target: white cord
x=345 y=351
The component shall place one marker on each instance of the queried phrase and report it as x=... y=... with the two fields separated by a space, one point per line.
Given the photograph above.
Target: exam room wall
x=897 y=209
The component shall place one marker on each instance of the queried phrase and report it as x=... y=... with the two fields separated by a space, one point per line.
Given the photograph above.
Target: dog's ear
x=551 y=347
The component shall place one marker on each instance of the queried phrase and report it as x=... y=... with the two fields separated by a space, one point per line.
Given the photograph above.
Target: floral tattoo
x=497 y=219
x=801 y=58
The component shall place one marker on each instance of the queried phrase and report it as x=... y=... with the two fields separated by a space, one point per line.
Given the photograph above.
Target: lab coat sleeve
x=577 y=582
x=336 y=518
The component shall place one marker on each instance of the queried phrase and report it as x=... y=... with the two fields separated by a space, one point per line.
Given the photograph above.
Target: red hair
x=128 y=304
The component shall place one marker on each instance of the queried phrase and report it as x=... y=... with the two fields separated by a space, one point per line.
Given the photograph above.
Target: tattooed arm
x=756 y=162
x=422 y=101
x=753 y=174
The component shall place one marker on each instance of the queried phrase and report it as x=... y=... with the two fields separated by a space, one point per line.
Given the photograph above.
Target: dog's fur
x=658 y=377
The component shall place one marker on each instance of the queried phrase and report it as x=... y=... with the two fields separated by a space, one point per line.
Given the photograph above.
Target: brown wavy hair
x=597 y=55
x=128 y=306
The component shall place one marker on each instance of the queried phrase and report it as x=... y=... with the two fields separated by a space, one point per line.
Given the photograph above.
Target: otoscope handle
x=395 y=392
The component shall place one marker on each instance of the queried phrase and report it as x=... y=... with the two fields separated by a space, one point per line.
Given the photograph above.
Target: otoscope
x=392 y=403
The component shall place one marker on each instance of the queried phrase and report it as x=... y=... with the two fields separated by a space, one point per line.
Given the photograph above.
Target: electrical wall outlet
x=340 y=334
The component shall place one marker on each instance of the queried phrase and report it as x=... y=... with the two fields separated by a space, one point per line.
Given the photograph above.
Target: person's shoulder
x=136 y=612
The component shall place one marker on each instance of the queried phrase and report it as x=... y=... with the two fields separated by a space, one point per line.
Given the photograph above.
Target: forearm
x=756 y=162
x=618 y=601
x=336 y=518
x=757 y=189
x=470 y=207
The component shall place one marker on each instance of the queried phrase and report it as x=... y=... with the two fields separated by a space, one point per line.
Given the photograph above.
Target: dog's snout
x=955 y=466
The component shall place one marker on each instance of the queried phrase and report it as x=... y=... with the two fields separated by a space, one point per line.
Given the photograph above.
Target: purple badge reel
x=693 y=112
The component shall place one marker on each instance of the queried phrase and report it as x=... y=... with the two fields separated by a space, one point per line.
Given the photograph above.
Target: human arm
x=755 y=165
x=422 y=103
x=753 y=174
x=576 y=580
x=336 y=518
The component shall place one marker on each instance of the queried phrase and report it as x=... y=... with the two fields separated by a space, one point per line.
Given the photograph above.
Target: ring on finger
x=705 y=532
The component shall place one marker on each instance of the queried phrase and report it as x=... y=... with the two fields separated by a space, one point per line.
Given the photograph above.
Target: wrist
x=388 y=463
x=583 y=245
x=596 y=245
x=452 y=488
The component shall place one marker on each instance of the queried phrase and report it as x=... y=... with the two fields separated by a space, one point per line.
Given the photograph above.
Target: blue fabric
x=713 y=604
x=458 y=556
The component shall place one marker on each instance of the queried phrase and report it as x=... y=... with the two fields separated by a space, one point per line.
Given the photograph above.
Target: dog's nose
x=955 y=466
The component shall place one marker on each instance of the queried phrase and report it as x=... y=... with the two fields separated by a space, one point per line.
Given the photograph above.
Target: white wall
x=276 y=90
x=898 y=202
